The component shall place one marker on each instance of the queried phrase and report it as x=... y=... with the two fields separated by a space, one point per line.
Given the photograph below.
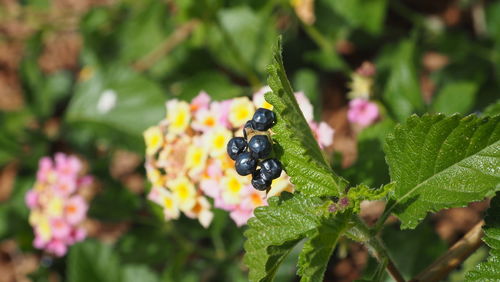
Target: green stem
x=375 y=246
x=318 y=38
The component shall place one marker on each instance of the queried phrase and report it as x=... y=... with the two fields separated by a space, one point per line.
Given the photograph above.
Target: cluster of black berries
x=252 y=154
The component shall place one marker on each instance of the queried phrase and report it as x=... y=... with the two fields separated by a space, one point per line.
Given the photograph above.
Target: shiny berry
x=263 y=119
x=260 y=146
x=259 y=182
x=245 y=164
x=271 y=168
x=236 y=146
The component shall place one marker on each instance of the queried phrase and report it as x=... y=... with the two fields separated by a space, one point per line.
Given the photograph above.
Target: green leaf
x=316 y=253
x=441 y=162
x=276 y=229
x=93 y=261
x=493 y=109
x=370 y=167
x=241 y=38
x=367 y=14
x=402 y=92
x=456 y=98
x=119 y=100
x=490 y=269
x=133 y=273
x=295 y=145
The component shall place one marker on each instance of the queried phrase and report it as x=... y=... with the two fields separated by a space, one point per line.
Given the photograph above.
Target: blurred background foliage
x=59 y=58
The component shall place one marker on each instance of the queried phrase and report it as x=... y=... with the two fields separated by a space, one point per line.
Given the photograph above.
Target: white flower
x=107 y=101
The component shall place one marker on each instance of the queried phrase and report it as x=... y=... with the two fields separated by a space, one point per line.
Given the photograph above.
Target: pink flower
x=210 y=187
x=305 y=106
x=65 y=186
x=44 y=168
x=241 y=216
x=56 y=209
x=75 y=209
x=222 y=110
x=200 y=102
x=31 y=199
x=76 y=235
x=66 y=165
x=362 y=112
x=259 y=100
x=60 y=228
x=57 y=247
x=323 y=133
x=84 y=181
x=39 y=242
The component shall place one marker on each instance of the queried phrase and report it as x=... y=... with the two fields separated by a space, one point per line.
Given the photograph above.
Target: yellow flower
x=280 y=185
x=241 y=111
x=196 y=159
x=259 y=99
x=201 y=210
x=43 y=228
x=154 y=139
x=232 y=185
x=205 y=120
x=169 y=204
x=155 y=176
x=361 y=87
x=35 y=217
x=217 y=141
x=178 y=116
x=184 y=193
x=55 y=207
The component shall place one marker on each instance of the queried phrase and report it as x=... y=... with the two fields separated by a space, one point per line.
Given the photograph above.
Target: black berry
x=271 y=168
x=236 y=146
x=259 y=182
x=263 y=119
x=260 y=146
x=245 y=164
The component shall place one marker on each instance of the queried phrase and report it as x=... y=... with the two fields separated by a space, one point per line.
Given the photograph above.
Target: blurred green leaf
x=456 y=98
x=114 y=203
x=122 y=101
x=143 y=30
x=422 y=243
x=493 y=109
x=93 y=261
x=370 y=167
x=305 y=80
x=242 y=38
x=366 y=14
x=402 y=91
x=134 y=273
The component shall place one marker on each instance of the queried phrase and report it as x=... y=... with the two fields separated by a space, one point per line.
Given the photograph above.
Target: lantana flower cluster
x=187 y=162
x=361 y=110
x=57 y=207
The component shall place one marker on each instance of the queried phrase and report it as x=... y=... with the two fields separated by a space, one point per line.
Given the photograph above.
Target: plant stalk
x=376 y=247
x=461 y=250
